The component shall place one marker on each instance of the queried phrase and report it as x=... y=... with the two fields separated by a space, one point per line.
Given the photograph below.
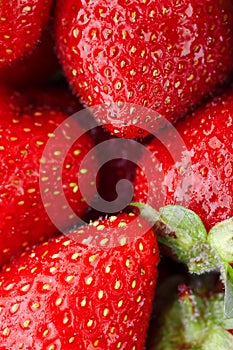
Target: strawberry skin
x=23 y=217
x=68 y=295
x=163 y=55
x=205 y=185
x=35 y=68
x=21 y=23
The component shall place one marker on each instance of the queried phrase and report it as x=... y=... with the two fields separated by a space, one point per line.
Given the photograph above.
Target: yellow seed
x=31 y=190
x=53 y=269
x=75 y=32
x=10 y=286
x=117 y=285
x=141 y=248
x=57 y=153
x=26 y=323
x=120 y=303
x=89 y=280
x=45 y=333
x=71 y=340
x=89 y=323
x=58 y=301
x=66 y=243
x=27 y=9
x=25 y=288
x=134 y=284
x=106 y=312
x=6 y=332
x=108 y=269
x=46 y=286
x=65 y=320
x=75 y=256
x=133 y=49
x=100 y=294
x=35 y=306
x=69 y=278
x=14 y=308
x=92 y=258
x=84 y=302
x=74 y=72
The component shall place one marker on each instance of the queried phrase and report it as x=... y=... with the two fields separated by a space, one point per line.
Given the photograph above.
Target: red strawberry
x=192 y=163
x=21 y=23
x=69 y=295
x=35 y=68
x=163 y=55
x=26 y=174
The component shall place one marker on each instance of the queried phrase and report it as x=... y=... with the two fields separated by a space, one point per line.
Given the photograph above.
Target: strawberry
x=194 y=173
x=32 y=181
x=65 y=294
x=191 y=164
x=21 y=24
x=35 y=68
x=163 y=55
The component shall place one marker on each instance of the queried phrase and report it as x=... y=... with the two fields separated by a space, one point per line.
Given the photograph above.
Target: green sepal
x=147 y=212
x=184 y=233
x=228 y=299
x=194 y=322
x=180 y=229
x=220 y=238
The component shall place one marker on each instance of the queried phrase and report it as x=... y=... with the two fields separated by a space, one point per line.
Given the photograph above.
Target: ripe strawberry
x=162 y=55
x=65 y=294
x=35 y=68
x=26 y=174
x=196 y=172
x=21 y=24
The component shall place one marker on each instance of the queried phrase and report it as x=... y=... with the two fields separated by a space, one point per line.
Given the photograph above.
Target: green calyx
x=194 y=323
x=184 y=233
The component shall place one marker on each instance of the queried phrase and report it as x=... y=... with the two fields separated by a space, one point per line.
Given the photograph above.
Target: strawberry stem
x=184 y=233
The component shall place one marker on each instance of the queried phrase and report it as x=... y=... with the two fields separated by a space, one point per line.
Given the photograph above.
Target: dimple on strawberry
x=164 y=55
x=70 y=294
x=33 y=182
x=21 y=24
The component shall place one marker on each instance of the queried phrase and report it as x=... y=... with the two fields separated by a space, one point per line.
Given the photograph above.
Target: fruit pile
x=116 y=168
